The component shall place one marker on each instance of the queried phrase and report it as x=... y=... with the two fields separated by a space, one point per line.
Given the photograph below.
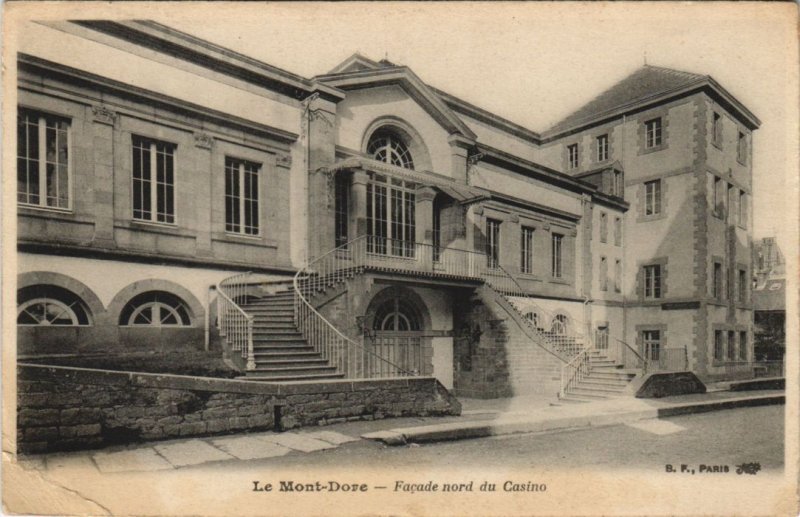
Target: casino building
x=361 y=223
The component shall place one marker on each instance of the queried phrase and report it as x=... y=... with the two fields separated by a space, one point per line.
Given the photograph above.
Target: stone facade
x=270 y=171
x=61 y=408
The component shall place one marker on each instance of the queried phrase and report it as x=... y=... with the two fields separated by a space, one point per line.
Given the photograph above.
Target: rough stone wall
x=62 y=408
x=494 y=357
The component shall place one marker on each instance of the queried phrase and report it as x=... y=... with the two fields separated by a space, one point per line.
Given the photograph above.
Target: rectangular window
x=652 y=197
x=652 y=135
x=716 y=129
x=492 y=243
x=617 y=276
x=618 y=187
x=43 y=176
x=741 y=148
x=603 y=274
x=556 y=266
x=742 y=209
x=341 y=208
x=717 y=293
x=241 y=196
x=617 y=231
x=603 y=227
x=652 y=281
x=153 y=180
x=601 y=338
x=391 y=223
x=526 y=258
x=743 y=345
x=719 y=345
x=731 y=345
x=572 y=153
x=602 y=148
x=719 y=199
x=651 y=344
x=742 y=285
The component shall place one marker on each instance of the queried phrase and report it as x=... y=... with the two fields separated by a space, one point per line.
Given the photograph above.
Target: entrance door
x=398 y=338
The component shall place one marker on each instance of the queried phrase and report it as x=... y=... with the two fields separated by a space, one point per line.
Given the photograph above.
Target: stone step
x=605 y=382
x=287 y=372
x=263 y=363
x=274 y=329
x=611 y=374
x=279 y=335
x=289 y=378
x=288 y=355
x=587 y=394
x=601 y=386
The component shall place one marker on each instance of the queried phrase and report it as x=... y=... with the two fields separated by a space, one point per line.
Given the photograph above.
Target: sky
x=534 y=63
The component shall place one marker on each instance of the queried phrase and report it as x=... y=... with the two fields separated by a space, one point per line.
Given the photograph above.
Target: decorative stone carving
x=104 y=115
x=546 y=227
x=475 y=158
x=203 y=140
x=478 y=210
x=514 y=218
x=284 y=160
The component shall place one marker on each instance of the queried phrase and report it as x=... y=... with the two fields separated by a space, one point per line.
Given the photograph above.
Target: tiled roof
x=771 y=296
x=647 y=82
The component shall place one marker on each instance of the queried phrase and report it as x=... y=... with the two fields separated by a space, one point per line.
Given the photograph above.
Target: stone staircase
x=281 y=352
x=606 y=380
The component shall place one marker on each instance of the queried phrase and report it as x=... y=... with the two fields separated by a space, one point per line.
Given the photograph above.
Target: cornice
x=35 y=65
x=163 y=39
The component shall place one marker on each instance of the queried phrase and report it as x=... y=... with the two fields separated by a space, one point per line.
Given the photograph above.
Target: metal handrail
x=580 y=365
x=235 y=324
x=319 y=331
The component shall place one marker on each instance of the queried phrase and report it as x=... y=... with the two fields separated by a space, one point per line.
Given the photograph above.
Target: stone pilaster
x=358 y=201
x=202 y=195
x=103 y=124
x=459 y=149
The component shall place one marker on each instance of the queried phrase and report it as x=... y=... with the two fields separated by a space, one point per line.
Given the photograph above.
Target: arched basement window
x=50 y=305
x=155 y=309
x=396 y=315
x=560 y=323
x=387 y=146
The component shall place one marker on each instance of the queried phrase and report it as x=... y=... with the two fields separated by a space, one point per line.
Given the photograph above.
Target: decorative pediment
x=359 y=77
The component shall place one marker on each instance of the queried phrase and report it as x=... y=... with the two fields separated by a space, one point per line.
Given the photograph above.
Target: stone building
x=362 y=223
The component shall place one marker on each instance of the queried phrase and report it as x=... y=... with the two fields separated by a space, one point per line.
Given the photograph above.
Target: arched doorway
x=397 y=332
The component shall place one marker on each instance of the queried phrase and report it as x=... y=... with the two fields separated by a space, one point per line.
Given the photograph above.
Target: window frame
x=603 y=274
x=652 y=282
x=493 y=238
x=743 y=352
x=42 y=163
x=719 y=345
x=742 y=291
x=617 y=231
x=603 y=227
x=154 y=183
x=741 y=148
x=617 y=275
x=651 y=339
x=557 y=255
x=653 y=202
x=527 y=248
x=602 y=147
x=240 y=196
x=716 y=129
x=653 y=136
x=718 y=279
x=573 y=156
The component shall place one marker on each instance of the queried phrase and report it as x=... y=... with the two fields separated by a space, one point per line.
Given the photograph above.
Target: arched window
x=387 y=146
x=560 y=324
x=155 y=309
x=396 y=315
x=45 y=305
x=534 y=318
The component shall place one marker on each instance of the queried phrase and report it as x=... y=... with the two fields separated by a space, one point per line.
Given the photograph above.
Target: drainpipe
x=586 y=302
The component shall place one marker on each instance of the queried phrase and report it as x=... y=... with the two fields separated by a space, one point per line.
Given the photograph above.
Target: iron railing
x=574 y=371
x=626 y=355
x=349 y=357
x=235 y=325
x=674 y=359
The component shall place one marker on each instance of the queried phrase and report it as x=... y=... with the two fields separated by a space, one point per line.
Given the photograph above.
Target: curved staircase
x=280 y=350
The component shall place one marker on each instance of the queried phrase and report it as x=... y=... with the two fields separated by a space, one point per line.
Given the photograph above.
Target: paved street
x=722 y=437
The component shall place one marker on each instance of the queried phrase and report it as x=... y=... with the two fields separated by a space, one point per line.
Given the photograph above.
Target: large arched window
x=387 y=146
x=50 y=305
x=155 y=309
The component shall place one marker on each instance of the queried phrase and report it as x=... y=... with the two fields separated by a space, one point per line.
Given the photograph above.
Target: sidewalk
x=480 y=418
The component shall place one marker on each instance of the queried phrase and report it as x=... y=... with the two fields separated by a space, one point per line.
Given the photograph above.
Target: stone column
x=358 y=201
x=423 y=214
x=103 y=121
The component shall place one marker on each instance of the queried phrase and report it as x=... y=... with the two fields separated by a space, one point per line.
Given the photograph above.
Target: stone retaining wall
x=62 y=408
